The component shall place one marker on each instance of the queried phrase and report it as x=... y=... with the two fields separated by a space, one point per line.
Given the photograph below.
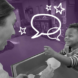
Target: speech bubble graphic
x=57 y=38
x=39 y=34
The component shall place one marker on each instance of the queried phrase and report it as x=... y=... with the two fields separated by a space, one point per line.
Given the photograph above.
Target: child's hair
x=74 y=25
x=5 y=10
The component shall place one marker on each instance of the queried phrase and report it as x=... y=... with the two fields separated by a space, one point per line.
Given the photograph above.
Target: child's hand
x=49 y=51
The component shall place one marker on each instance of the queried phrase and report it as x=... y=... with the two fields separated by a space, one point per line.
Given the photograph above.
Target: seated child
x=69 y=55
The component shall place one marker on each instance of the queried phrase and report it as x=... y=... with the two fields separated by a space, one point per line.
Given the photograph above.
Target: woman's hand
x=49 y=51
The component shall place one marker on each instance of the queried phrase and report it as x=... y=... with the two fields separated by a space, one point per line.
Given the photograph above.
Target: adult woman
x=7 y=20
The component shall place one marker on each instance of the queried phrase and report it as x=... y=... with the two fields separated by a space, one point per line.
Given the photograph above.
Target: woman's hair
x=5 y=11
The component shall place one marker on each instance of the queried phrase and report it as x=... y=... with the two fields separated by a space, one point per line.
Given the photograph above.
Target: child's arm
x=63 y=59
x=71 y=61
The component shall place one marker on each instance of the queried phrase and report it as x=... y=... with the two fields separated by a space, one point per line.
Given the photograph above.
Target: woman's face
x=7 y=30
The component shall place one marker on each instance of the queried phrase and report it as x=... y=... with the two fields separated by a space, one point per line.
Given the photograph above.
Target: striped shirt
x=73 y=55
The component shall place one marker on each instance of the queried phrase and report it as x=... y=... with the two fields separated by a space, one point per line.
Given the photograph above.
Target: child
x=69 y=55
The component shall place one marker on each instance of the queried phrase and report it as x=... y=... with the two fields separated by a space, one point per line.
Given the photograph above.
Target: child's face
x=71 y=37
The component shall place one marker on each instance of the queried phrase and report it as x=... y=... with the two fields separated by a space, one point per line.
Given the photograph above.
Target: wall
x=37 y=5
x=76 y=10
x=20 y=8
x=71 y=18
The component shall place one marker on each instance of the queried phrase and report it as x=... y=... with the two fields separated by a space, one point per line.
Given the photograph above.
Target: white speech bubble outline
x=57 y=38
x=37 y=34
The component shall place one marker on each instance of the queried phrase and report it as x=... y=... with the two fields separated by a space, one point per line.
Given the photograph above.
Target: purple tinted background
x=29 y=47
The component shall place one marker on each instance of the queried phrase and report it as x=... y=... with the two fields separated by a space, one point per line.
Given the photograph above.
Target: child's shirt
x=73 y=55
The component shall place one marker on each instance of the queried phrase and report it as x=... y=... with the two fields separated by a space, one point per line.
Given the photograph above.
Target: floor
x=26 y=48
